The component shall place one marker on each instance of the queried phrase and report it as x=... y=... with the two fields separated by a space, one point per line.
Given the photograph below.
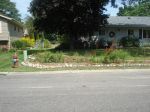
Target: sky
x=23 y=5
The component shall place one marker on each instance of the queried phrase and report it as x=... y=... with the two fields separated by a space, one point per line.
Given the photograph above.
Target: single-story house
x=10 y=29
x=123 y=26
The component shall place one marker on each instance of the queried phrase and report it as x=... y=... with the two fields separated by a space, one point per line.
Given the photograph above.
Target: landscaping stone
x=67 y=65
x=30 y=63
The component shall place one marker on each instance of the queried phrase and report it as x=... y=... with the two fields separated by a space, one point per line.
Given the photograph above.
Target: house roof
x=11 y=20
x=132 y=21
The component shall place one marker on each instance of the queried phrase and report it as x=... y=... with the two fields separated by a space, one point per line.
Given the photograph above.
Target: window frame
x=1 y=31
x=15 y=28
x=146 y=34
x=129 y=32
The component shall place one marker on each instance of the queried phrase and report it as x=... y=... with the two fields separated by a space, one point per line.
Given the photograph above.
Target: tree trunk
x=72 y=43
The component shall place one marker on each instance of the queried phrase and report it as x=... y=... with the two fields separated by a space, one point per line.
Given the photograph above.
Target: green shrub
x=47 y=43
x=104 y=42
x=18 y=44
x=64 y=42
x=40 y=43
x=129 y=42
x=116 y=56
x=28 y=41
x=49 y=57
x=23 y=43
x=76 y=54
x=95 y=59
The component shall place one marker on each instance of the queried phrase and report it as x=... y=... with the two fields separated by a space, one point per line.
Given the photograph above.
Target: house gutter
x=127 y=25
x=12 y=20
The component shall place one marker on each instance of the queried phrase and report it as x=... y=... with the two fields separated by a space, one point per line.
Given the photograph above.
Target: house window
x=15 y=28
x=146 y=33
x=130 y=32
x=102 y=32
x=0 y=27
x=140 y=33
x=18 y=30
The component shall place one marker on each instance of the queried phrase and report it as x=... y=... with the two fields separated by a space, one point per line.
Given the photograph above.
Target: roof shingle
x=129 y=21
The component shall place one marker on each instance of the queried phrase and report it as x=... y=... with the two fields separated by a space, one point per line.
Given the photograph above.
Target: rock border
x=73 y=65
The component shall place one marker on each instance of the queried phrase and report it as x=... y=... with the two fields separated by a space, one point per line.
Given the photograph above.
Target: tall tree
x=29 y=25
x=8 y=8
x=70 y=17
x=139 y=8
x=73 y=18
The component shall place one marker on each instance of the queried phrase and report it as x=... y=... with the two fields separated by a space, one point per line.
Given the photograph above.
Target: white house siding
x=145 y=41
x=15 y=31
x=4 y=35
x=123 y=32
x=119 y=32
x=136 y=32
x=8 y=33
x=0 y=27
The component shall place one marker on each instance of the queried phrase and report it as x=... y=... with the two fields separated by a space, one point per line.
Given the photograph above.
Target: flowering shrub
x=23 y=43
x=29 y=42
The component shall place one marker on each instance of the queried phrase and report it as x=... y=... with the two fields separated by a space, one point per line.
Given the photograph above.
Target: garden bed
x=74 y=60
x=89 y=58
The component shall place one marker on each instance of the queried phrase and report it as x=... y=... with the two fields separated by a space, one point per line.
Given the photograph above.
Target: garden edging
x=72 y=65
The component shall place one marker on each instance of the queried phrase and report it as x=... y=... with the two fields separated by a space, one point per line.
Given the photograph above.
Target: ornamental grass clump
x=95 y=59
x=116 y=56
x=49 y=57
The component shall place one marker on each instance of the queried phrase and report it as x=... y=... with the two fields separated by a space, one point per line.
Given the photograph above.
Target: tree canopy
x=8 y=8
x=139 y=8
x=73 y=18
x=29 y=25
x=70 y=17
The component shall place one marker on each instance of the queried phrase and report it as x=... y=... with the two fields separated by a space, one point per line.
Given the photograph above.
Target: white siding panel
x=5 y=33
x=15 y=34
x=0 y=27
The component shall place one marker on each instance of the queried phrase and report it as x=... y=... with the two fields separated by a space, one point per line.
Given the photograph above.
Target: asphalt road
x=104 y=91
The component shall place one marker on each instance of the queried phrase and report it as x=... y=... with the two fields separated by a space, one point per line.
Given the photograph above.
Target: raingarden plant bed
x=75 y=60
x=132 y=57
x=92 y=57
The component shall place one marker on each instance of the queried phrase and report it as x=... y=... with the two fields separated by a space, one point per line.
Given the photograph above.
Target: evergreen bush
x=129 y=42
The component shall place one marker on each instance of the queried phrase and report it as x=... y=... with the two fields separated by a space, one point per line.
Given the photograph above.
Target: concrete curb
x=73 y=71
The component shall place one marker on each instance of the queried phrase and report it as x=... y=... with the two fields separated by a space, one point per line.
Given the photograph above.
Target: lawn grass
x=6 y=62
